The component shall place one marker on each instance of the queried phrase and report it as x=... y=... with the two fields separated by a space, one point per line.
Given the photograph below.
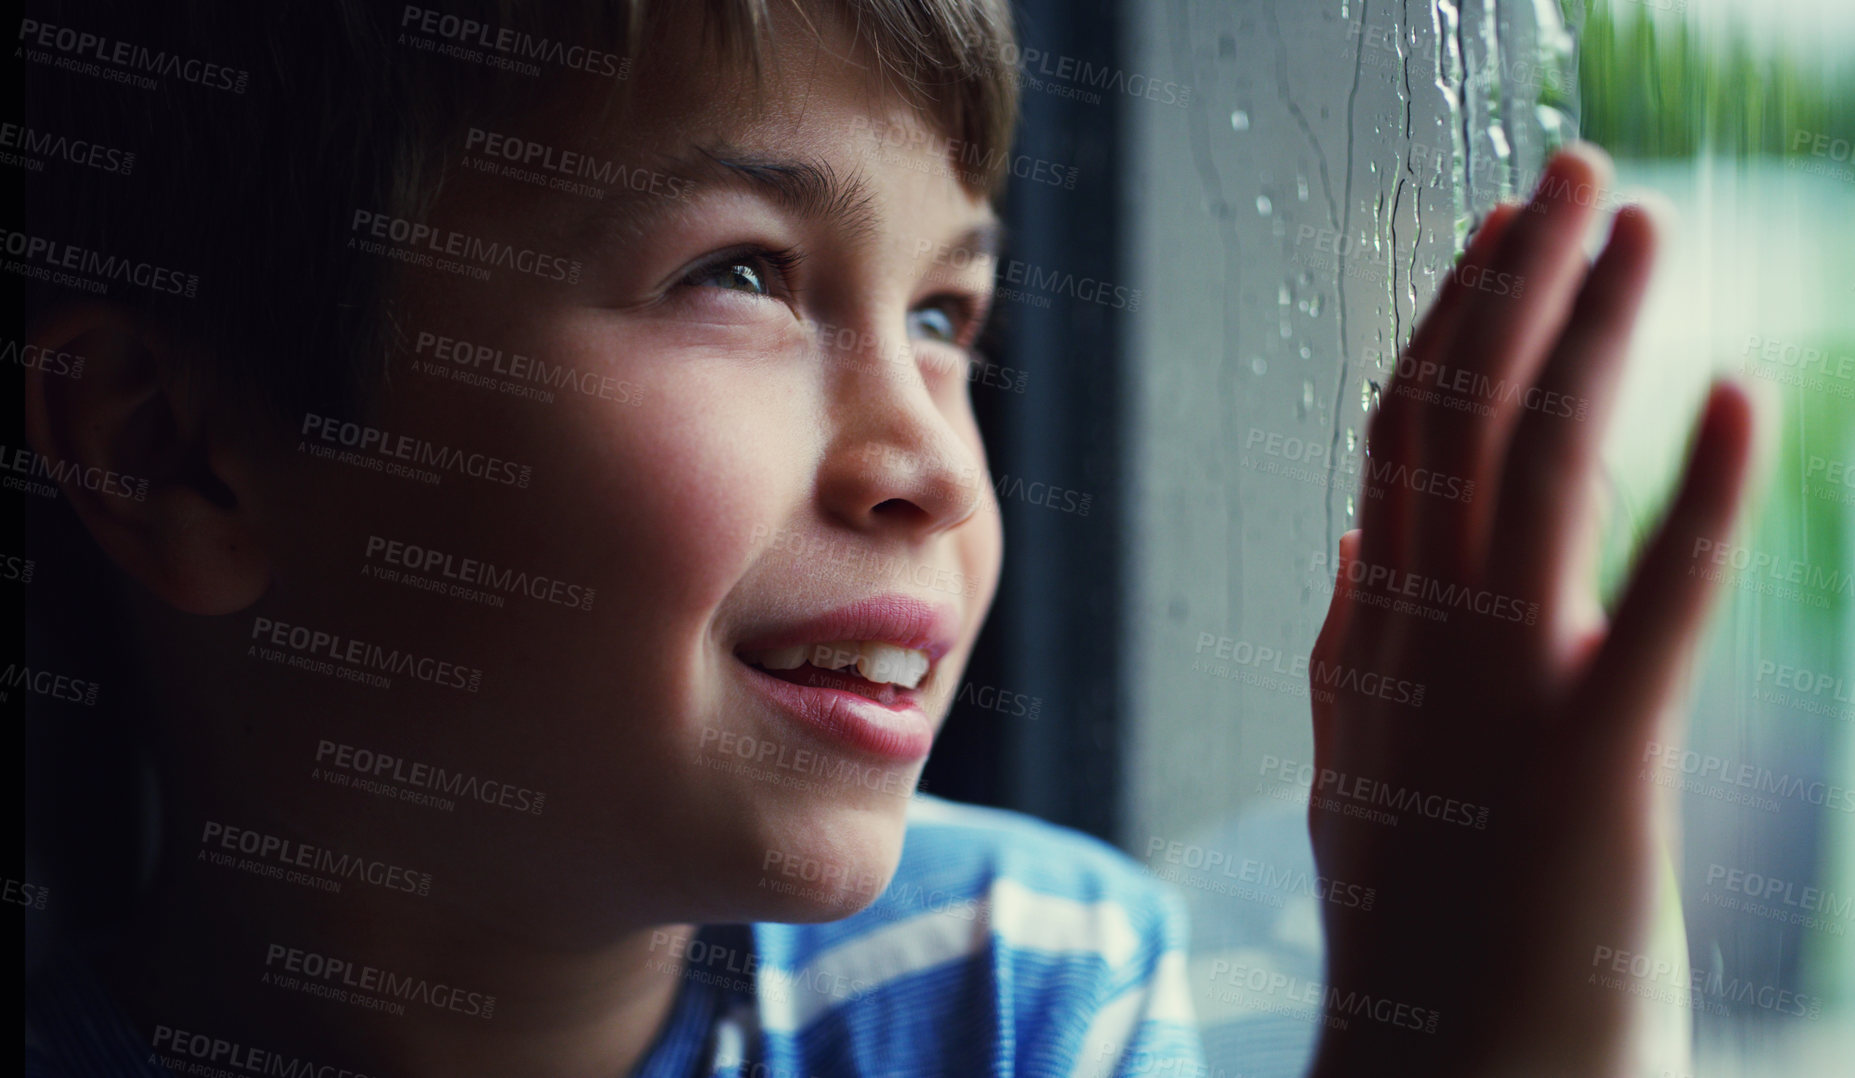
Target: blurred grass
x=1652 y=88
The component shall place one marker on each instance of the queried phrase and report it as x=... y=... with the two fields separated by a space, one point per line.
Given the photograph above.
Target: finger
x=1330 y=645
x=1518 y=305
x=1391 y=443
x=1543 y=535
x=1659 y=621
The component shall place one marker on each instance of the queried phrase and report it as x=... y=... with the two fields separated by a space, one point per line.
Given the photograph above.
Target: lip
x=901 y=620
x=900 y=731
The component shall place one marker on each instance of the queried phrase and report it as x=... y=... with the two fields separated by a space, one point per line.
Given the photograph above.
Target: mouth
x=858 y=675
x=889 y=675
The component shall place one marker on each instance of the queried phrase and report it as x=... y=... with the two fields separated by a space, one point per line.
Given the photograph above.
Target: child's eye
x=943 y=319
x=753 y=273
x=736 y=276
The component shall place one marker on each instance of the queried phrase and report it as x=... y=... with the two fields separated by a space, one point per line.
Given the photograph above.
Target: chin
x=825 y=856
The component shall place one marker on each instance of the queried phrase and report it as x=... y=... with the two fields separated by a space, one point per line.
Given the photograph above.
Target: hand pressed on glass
x=1479 y=957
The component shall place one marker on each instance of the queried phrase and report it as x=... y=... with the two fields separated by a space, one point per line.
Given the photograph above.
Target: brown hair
x=337 y=107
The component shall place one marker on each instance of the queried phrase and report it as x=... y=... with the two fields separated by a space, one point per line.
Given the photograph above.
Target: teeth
x=883 y=664
x=887 y=664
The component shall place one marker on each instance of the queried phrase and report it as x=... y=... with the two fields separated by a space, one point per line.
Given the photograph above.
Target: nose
x=904 y=453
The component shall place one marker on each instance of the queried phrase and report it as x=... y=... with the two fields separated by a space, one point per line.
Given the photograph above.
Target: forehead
x=812 y=126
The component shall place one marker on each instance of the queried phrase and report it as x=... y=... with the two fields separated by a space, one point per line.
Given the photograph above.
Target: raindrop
x=1264 y=206
x=1301 y=188
x=1259 y=365
x=1368 y=395
x=1352 y=509
x=1352 y=440
x=1307 y=394
x=1239 y=120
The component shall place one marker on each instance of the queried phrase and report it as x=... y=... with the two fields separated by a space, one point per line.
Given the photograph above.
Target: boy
x=500 y=735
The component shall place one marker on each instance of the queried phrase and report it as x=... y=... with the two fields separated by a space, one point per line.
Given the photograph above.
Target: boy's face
x=768 y=424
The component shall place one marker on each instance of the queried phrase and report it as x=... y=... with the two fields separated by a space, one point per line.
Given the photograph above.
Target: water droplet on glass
x=1352 y=440
x=1264 y=206
x=1259 y=365
x=1301 y=188
x=1368 y=395
x=1239 y=120
x=1352 y=510
x=1307 y=393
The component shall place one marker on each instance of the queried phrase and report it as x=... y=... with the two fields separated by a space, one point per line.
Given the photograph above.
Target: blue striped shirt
x=1002 y=946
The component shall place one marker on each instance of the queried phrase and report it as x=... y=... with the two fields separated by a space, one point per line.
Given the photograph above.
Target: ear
x=168 y=492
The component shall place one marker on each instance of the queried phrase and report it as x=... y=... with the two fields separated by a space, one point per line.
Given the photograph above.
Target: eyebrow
x=808 y=189
x=986 y=239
